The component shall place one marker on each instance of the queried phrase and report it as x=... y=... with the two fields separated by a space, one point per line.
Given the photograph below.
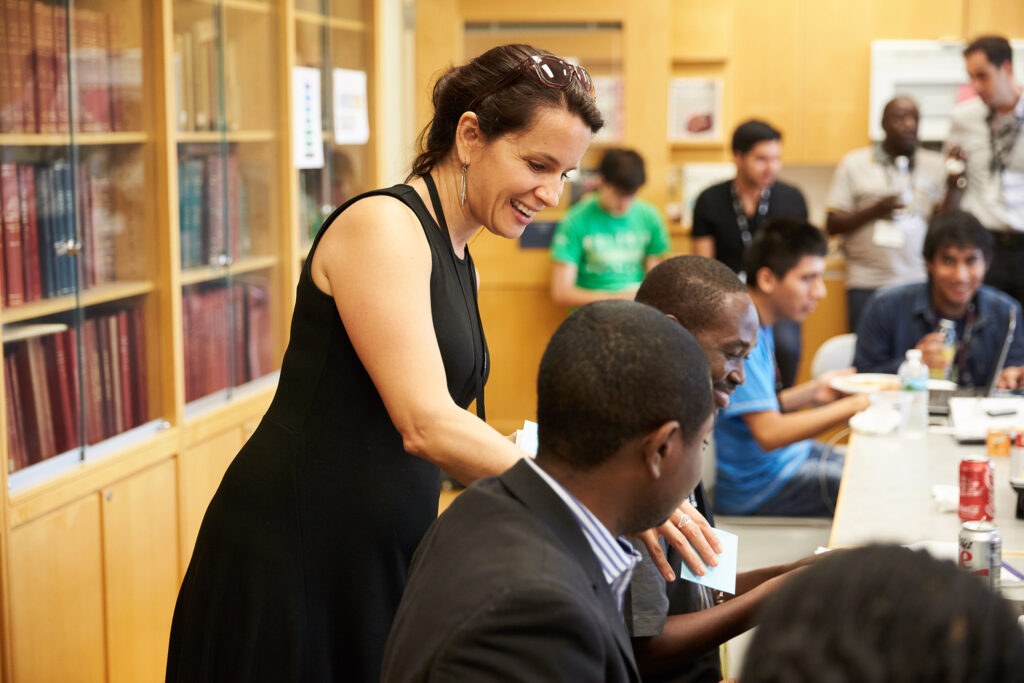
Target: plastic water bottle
x=914 y=381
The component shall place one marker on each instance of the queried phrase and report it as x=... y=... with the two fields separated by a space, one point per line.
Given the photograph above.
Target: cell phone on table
x=1000 y=411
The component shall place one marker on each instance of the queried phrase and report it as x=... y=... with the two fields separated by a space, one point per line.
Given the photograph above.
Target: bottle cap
x=913 y=354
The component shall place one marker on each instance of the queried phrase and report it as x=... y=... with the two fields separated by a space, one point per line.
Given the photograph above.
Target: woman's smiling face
x=514 y=176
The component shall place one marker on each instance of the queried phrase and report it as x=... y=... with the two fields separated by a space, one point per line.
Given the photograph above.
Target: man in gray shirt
x=880 y=201
x=985 y=135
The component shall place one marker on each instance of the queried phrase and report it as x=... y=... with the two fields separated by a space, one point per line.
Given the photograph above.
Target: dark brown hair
x=509 y=109
x=996 y=48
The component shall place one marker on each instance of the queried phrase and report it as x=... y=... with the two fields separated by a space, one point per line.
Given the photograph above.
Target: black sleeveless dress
x=302 y=556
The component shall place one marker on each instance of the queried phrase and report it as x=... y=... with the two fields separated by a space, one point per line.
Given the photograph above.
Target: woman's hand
x=685 y=530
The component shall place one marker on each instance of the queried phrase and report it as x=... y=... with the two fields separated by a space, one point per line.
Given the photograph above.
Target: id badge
x=889 y=234
x=1013 y=196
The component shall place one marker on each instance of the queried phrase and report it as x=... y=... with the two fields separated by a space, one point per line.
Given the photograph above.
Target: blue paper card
x=722 y=577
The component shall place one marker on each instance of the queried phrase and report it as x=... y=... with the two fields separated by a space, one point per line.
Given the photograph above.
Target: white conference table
x=886 y=493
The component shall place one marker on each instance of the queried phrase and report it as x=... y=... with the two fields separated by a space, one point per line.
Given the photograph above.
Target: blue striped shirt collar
x=617 y=557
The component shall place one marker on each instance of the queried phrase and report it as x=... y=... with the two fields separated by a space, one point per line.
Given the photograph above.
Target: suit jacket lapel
x=537 y=496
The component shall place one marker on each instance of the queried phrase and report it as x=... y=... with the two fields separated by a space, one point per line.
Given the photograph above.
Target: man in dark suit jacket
x=522 y=578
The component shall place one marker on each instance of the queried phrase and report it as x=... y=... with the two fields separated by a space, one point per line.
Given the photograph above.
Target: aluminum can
x=981 y=551
x=977 y=490
x=998 y=441
x=1017 y=459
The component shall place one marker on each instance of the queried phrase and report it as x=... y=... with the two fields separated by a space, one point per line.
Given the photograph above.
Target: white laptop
x=972 y=417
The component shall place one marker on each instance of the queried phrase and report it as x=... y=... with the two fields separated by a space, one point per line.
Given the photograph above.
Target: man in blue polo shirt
x=957 y=251
x=767 y=462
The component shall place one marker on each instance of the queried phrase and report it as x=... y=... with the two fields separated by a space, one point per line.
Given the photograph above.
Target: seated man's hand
x=932 y=348
x=823 y=391
x=684 y=527
x=1011 y=378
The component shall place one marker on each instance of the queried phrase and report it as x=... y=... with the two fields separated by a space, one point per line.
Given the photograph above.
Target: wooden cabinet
x=56 y=596
x=140 y=572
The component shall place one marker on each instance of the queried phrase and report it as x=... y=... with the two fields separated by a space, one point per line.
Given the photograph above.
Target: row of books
x=212 y=207
x=35 y=73
x=47 y=400
x=228 y=336
x=39 y=207
x=201 y=104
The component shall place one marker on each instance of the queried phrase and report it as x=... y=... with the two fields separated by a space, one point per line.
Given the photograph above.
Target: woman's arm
x=375 y=262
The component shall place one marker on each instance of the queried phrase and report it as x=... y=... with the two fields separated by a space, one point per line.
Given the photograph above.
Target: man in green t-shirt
x=607 y=242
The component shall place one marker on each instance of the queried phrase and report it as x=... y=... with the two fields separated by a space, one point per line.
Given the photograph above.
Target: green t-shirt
x=608 y=251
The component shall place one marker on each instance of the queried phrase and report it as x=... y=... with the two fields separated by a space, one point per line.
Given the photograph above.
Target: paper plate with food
x=865 y=382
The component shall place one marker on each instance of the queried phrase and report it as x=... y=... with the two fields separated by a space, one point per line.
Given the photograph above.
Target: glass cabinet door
x=334 y=39
x=80 y=330
x=227 y=104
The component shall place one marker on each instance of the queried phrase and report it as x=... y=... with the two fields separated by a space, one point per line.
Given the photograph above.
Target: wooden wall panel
x=1001 y=17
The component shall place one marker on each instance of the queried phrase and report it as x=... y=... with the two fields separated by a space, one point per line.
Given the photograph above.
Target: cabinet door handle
x=109 y=496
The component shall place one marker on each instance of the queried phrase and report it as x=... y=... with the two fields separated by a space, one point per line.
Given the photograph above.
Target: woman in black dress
x=302 y=555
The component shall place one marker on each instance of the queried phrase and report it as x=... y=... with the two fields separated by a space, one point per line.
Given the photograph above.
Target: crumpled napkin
x=876 y=419
x=946 y=497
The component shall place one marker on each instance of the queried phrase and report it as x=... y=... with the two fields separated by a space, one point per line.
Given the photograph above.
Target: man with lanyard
x=956 y=252
x=727 y=216
x=986 y=158
x=880 y=201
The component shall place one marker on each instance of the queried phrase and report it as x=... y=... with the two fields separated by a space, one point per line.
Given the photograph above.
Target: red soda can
x=977 y=492
x=981 y=551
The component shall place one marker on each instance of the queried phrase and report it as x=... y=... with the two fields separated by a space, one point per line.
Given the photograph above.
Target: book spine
x=13 y=272
x=107 y=373
x=137 y=339
x=6 y=100
x=15 y=66
x=45 y=69
x=57 y=372
x=71 y=351
x=213 y=242
x=93 y=383
x=124 y=360
x=29 y=232
x=66 y=226
x=28 y=70
x=62 y=100
x=116 y=395
x=44 y=192
x=15 y=422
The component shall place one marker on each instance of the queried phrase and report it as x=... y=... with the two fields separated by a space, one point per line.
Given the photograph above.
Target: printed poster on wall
x=351 y=115
x=608 y=91
x=308 y=130
x=694 y=109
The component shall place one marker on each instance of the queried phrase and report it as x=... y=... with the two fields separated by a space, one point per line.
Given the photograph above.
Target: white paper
x=698 y=177
x=723 y=576
x=695 y=109
x=608 y=93
x=888 y=234
x=351 y=113
x=526 y=438
x=308 y=130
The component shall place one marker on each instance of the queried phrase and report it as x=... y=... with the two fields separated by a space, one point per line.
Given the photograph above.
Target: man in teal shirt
x=609 y=239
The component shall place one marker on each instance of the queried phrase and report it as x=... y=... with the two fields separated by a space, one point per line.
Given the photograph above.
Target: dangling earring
x=462 y=191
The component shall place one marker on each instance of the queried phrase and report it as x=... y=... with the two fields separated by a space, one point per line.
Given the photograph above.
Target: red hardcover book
x=237 y=335
x=102 y=223
x=62 y=102
x=6 y=99
x=70 y=342
x=15 y=442
x=11 y=202
x=125 y=359
x=260 y=341
x=38 y=420
x=45 y=81
x=28 y=67
x=29 y=232
x=234 y=207
x=219 y=322
x=137 y=342
x=107 y=372
x=93 y=378
x=117 y=379
x=61 y=400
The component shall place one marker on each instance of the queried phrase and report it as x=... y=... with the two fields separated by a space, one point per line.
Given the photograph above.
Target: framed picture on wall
x=694 y=109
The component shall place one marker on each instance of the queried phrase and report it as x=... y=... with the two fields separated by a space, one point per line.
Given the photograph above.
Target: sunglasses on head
x=552 y=72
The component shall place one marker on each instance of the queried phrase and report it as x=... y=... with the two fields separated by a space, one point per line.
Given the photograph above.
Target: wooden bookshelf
x=202 y=137
x=194 y=276
x=101 y=294
x=80 y=139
